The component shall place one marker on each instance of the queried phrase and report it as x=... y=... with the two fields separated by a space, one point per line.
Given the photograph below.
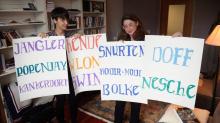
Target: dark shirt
x=126 y=37
x=66 y=33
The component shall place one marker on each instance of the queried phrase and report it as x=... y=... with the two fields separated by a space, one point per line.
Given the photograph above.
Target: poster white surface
x=172 y=69
x=121 y=69
x=41 y=66
x=84 y=61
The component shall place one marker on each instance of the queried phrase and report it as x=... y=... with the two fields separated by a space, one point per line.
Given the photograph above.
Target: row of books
x=50 y=5
x=6 y=37
x=90 y=21
x=92 y=31
x=6 y=63
x=93 y=6
x=74 y=22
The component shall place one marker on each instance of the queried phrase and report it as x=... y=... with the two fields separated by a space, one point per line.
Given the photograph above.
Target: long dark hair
x=138 y=34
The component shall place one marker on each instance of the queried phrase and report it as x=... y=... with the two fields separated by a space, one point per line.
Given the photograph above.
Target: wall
x=147 y=10
x=114 y=14
x=205 y=13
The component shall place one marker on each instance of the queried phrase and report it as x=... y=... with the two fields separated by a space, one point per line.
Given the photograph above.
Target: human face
x=130 y=26
x=61 y=23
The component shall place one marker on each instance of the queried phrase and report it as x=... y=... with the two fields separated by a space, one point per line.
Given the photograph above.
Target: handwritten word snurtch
x=122 y=50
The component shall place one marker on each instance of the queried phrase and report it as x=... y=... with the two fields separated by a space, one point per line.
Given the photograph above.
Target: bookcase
x=18 y=18
x=22 y=18
x=94 y=16
x=88 y=16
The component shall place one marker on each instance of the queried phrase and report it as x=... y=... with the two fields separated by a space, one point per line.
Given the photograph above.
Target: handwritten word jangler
x=41 y=67
x=38 y=46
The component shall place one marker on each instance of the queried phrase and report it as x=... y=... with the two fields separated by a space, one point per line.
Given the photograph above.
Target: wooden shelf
x=5 y=48
x=7 y=72
x=74 y=12
x=91 y=13
x=94 y=27
x=20 y=24
x=72 y=29
x=20 y=11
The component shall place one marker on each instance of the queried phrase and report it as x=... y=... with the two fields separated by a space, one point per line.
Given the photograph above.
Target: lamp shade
x=214 y=38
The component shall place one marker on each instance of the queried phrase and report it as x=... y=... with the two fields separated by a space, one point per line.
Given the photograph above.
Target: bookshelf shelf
x=93 y=13
x=8 y=72
x=94 y=27
x=20 y=11
x=74 y=12
x=5 y=48
x=20 y=24
x=72 y=29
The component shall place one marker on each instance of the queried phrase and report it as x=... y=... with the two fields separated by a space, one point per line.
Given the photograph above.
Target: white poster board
x=84 y=61
x=121 y=69
x=41 y=66
x=172 y=69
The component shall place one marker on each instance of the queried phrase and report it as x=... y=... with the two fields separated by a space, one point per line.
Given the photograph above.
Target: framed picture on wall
x=97 y=6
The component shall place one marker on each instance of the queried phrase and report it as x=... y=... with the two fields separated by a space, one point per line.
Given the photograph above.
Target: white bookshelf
x=26 y=23
x=94 y=14
x=78 y=4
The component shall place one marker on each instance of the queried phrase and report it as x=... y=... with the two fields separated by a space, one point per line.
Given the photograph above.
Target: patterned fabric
x=150 y=113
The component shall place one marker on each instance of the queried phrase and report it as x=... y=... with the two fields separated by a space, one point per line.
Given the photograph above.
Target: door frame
x=164 y=7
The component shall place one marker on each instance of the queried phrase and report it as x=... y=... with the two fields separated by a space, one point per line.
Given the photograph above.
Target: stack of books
x=50 y=6
x=6 y=37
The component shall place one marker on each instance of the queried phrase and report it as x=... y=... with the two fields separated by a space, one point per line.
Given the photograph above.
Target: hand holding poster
x=84 y=61
x=121 y=69
x=41 y=66
x=172 y=69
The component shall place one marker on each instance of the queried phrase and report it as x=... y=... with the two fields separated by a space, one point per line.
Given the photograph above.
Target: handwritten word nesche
x=22 y=48
x=174 y=56
x=119 y=88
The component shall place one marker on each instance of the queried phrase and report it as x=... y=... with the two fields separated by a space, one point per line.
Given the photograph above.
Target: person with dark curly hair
x=131 y=30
